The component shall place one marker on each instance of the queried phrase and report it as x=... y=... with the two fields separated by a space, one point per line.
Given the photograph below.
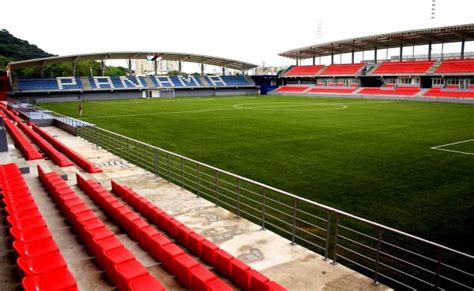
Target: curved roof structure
x=435 y=35
x=169 y=56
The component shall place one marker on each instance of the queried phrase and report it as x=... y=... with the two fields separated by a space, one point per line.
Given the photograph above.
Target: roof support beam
x=129 y=67
x=352 y=56
x=401 y=52
x=375 y=54
x=430 y=44
x=463 y=43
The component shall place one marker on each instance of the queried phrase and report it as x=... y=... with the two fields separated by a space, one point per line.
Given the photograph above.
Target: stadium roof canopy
x=182 y=57
x=435 y=35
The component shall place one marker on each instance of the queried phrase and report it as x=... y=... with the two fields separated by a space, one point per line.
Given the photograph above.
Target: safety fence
x=387 y=255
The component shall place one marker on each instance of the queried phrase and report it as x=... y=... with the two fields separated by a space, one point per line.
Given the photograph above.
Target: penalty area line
x=442 y=147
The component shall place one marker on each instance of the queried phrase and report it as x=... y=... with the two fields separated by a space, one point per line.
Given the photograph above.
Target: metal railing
x=76 y=123
x=389 y=256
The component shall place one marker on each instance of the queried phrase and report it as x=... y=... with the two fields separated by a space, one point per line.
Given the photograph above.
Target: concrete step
x=86 y=85
x=149 y=82
x=434 y=67
x=204 y=81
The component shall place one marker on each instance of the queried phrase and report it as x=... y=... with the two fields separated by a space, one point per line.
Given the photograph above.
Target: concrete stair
x=149 y=82
x=370 y=70
x=204 y=82
x=422 y=92
x=434 y=67
x=86 y=85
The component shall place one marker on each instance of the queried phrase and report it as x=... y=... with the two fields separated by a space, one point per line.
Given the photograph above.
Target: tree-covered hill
x=15 y=49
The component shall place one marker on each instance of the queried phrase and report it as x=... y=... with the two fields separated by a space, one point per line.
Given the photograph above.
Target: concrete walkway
x=292 y=266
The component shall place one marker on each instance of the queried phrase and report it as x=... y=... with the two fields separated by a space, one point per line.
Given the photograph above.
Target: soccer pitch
x=409 y=165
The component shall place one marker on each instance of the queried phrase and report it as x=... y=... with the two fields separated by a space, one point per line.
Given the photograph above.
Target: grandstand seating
x=456 y=67
x=332 y=89
x=453 y=93
x=38 y=256
x=292 y=89
x=303 y=71
x=21 y=142
x=78 y=159
x=57 y=157
x=240 y=273
x=129 y=82
x=37 y=84
x=402 y=91
x=395 y=68
x=342 y=69
x=174 y=260
x=119 y=264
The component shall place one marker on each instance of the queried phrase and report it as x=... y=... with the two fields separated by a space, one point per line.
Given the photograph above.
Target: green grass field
x=370 y=158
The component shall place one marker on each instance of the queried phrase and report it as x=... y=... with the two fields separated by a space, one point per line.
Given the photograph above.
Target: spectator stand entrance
x=431 y=77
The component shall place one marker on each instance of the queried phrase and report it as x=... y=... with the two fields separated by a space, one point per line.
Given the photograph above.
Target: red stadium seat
x=456 y=67
x=394 y=68
x=304 y=70
x=342 y=70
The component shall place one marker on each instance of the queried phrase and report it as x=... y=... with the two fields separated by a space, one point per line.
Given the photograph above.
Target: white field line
x=441 y=147
x=288 y=106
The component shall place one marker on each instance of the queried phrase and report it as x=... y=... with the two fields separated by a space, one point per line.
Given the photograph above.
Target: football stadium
x=349 y=168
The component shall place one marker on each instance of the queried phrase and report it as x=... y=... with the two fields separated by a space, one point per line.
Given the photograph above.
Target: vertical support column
x=102 y=67
x=179 y=67
x=297 y=61
x=332 y=58
x=430 y=44
x=223 y=71
x=413 y=53
x=314 y=60
x=352 y=56
x=401 y=52
x=375 y=54
x=155 y=66
x=74 y=65
x=442 y=50
x=202 y=70
x=129 y=67
x=463 y=43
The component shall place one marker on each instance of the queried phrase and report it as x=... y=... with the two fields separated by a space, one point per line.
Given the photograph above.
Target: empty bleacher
x=456 y=67
x=297 y=71
x=120 y=265
x=451 y=93
x=128 y=82
x=390 y=90
x=333 y=89
x=342 y=70
x=401 y=68
x=37 y=255
x=292 y=89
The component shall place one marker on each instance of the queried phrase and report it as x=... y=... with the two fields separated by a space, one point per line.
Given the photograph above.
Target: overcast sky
x=248 y=30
